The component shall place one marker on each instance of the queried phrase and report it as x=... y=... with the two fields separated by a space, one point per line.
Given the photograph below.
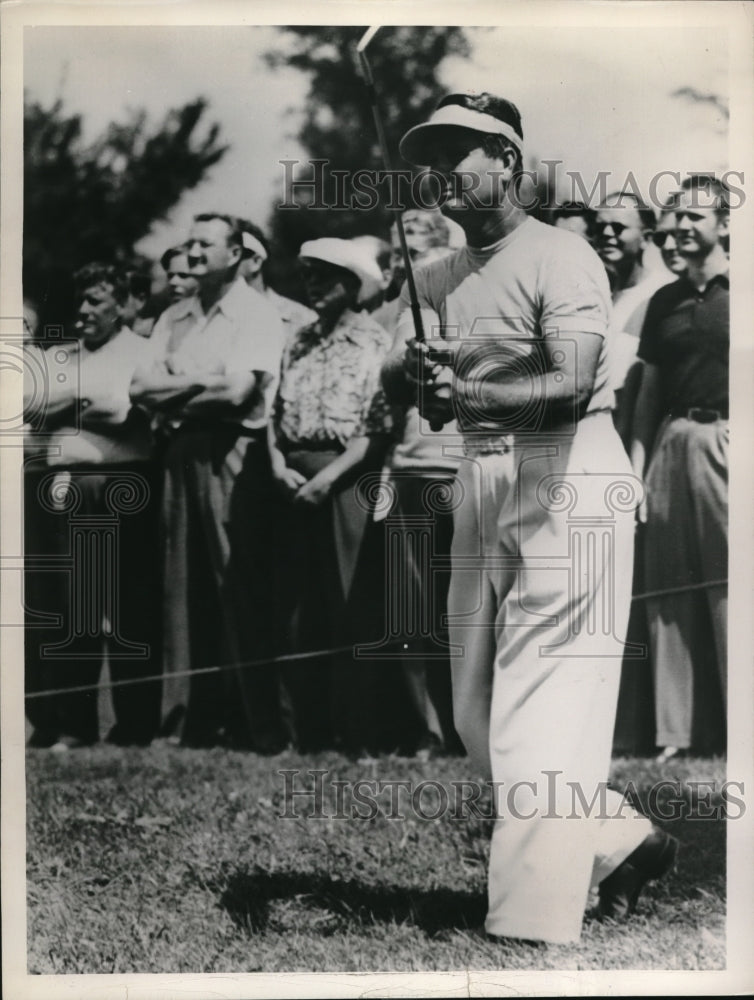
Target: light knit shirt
x=330 y=384
x=242 y=332
x=106 y=430
x=538 y=283
x=629 y=310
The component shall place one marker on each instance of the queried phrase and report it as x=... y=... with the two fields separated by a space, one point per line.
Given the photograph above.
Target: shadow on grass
x=248 y=895
x=251 y=896
x=701 y=861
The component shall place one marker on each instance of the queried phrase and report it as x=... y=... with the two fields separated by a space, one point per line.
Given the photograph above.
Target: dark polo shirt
x=686 y=333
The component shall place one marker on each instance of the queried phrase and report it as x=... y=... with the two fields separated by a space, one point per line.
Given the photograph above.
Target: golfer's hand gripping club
x=429 y=370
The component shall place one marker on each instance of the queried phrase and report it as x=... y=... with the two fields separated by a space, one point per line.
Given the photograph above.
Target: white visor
x=416 y=144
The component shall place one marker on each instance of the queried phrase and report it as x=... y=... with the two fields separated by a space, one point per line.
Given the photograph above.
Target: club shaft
x=372 y=97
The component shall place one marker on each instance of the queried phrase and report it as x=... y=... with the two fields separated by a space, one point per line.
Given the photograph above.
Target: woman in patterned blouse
x=330 y=425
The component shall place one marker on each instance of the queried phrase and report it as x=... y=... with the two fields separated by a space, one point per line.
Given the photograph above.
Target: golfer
x=543 y=538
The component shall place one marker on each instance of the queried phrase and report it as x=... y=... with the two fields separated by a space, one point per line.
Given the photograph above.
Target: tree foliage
x=716 y=101
x=85 y=202
x=338 y=124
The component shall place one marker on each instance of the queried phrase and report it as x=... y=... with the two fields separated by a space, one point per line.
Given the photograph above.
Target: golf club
x=372 y=96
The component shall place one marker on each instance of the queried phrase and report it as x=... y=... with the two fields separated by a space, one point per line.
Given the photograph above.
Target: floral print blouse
x=330 y=386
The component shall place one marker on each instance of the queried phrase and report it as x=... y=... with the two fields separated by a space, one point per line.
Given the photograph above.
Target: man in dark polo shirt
x=683 y=407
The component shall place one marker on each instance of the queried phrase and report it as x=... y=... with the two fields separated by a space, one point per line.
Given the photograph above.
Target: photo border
x=739 y=975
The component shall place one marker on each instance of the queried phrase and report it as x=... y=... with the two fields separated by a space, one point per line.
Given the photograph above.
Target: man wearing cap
x=330 y=424
x=253 y=268
x=215 y=366
x=427 y=238
x=522 y=315
x=574 y=216
x=680 y=442
x=420 y=471
x=380 y=251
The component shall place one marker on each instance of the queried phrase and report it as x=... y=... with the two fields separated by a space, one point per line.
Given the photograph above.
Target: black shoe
x=42 y=738
x=121 y=737
x=620 y=891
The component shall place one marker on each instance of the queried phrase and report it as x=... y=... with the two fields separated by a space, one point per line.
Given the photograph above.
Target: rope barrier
x=310 y=655
x=706 y=585
x=241 y=665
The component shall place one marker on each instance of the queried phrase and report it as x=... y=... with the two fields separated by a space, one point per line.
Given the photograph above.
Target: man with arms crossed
x=209 y=384
x=524 y=308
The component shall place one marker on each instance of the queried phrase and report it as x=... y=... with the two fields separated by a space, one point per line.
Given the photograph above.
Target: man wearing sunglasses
x=517 y=328
x=681 y=426
x=622 y=230
x=666 y=240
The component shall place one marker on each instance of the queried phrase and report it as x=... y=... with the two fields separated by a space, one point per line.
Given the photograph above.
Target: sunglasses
x=315 y=268
x=617 y=227
x=660 y=239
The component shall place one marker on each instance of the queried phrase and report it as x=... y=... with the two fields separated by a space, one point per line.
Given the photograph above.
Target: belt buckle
x=702 y=415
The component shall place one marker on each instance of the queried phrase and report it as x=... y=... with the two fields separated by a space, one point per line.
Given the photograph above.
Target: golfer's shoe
x=619 y=892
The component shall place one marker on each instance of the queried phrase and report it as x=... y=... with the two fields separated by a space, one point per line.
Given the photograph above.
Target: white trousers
x=538 y=608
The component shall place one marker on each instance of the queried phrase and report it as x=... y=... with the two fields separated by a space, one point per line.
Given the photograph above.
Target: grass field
x=170 y=860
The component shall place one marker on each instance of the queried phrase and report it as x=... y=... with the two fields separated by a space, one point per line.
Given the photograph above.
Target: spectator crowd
x=225 y=506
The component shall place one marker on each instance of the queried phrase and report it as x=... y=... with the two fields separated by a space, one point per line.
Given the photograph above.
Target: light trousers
x=538 y=607
x=686 y=542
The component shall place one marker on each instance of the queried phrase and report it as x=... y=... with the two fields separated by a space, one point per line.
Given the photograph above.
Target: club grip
x=437 y=425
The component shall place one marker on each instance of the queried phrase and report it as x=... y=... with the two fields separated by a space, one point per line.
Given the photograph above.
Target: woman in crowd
x=330 y=425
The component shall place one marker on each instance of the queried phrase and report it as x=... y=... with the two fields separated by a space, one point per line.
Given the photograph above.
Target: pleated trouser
x=212 y=540
x=95 y=595
x=539 y=598
x=686 y=543
x=422 y=582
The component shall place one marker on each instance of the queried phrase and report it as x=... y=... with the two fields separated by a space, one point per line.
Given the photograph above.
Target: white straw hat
x=349 y=255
